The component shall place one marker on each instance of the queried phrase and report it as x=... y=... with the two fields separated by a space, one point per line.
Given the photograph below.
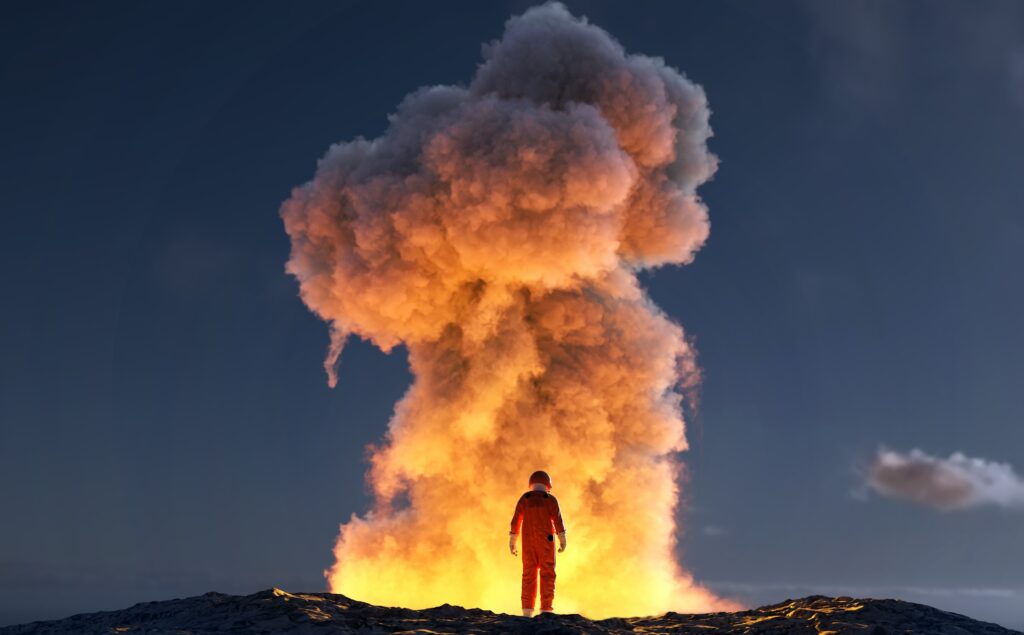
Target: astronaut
x=539 y=520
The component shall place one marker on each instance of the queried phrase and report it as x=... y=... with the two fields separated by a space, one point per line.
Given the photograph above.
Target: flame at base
x=577 y=383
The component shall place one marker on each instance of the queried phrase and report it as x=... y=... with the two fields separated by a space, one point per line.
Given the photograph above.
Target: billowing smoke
x=955 y=483
x=496 y=231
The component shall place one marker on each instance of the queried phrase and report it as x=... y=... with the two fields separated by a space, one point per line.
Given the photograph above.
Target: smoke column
x=495 y=231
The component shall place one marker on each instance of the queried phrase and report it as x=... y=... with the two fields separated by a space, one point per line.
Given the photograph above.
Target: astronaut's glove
x=512 y=544
x=561 y=542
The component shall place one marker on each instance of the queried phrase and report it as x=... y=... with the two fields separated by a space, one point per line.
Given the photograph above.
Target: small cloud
x=714 y=531
x=947 y=484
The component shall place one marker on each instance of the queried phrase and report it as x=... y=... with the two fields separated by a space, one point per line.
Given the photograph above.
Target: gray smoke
x=947 y=484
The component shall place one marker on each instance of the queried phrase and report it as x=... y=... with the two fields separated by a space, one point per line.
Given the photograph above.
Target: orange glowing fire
x=577 y=385
x=496 y=232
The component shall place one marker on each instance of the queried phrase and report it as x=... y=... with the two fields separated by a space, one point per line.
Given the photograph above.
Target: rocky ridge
x=277 y=611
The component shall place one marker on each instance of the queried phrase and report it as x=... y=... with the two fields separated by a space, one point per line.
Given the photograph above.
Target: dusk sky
x=166 y=428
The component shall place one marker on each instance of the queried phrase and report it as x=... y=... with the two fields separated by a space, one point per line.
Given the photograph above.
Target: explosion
x=496 y=231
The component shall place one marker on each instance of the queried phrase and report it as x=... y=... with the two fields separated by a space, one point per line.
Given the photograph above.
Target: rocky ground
x=277 y=611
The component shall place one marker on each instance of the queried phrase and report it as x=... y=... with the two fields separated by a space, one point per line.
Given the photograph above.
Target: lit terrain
x=276 y=611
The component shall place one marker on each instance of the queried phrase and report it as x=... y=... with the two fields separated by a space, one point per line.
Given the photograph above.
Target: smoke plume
x=955 y=483
x=496 y=231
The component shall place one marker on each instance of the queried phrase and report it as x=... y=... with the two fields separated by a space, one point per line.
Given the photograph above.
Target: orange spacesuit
x=539 y=518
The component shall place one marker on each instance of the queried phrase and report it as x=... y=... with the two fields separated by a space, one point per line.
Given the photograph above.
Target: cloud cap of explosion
x=496 y=231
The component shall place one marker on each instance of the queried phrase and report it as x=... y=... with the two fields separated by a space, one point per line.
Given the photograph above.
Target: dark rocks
x=276 y=611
